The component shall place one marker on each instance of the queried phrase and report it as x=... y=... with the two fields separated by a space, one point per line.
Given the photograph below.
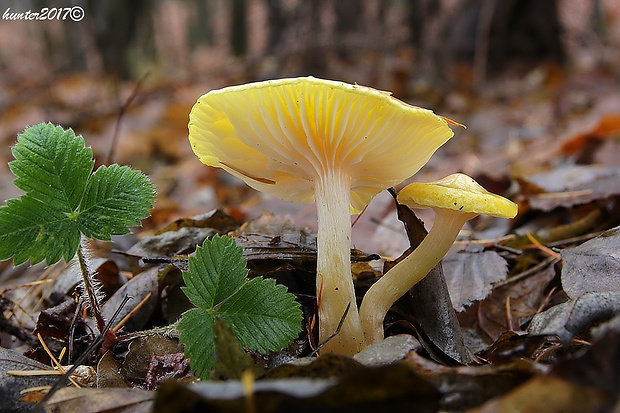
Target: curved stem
x=403 y=276
x=334 y=283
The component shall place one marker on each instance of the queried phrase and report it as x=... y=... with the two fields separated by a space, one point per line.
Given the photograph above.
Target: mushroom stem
x=334 y=283
x=412 y=269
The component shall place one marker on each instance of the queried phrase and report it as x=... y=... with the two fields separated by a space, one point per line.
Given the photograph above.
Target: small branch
x=332 y=335
x=121 y=114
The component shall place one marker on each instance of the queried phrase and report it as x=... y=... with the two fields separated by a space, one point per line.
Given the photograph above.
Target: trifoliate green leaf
x=65 y=199
x=262 y=314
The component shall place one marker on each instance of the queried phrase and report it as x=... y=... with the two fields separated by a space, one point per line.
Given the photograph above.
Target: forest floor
x=537 y=297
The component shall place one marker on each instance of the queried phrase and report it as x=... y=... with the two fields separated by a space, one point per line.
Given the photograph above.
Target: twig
x=40 y=406
x=527 y=273
x=131 y=313
x=541 y=247
x=332 y=335
x=121 y=114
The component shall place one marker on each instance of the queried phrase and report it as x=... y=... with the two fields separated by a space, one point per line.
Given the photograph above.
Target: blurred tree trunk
x=276 y=21
x=349 y=15
x=116 y=23
x=201 y=23
x=485 y=37
x=239 y=28
x=524 y=29
x=418 y=14
x=313 y=59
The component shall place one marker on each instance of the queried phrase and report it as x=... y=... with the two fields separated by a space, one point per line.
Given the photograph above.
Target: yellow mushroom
x=455 y=199
x=307 y=139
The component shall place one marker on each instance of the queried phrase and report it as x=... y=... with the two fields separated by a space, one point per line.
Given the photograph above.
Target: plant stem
x=334 y=283
x=90 y=288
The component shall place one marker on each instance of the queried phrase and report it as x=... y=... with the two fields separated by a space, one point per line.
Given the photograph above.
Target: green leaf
x=263 y=315
x=215 y=273
x=64 y=199
x=52 y=165
x=231 y=360
x=196 y=326
x=116 y=198
x=31 y=229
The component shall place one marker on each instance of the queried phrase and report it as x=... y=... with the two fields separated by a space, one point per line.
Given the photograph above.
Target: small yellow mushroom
x=455 y=199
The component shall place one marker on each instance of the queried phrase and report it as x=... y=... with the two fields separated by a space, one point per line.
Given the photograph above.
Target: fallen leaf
x=11 y=386
x=465 y=387
x=137 y=363
x=545 y=395
x=139 y=289
x=470 y=275
x=607 y=127
x=73 y=400
x=572 y=317
x=108 y=375
x=592 y=266
x=525 y=297
x=165 y=367
x=570 y=185
x=394 y=388
x=598 y=368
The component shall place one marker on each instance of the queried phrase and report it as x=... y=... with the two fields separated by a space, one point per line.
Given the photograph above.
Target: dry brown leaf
x=72 y=400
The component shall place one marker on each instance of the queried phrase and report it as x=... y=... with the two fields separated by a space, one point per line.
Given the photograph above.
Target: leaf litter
x=538 y=328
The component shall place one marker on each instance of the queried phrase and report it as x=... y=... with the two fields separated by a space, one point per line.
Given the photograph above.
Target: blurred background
x=524 y=75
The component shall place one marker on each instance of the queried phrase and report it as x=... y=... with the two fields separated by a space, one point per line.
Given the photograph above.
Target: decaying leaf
x=572 y=317
x=394 y=388
x=142 y=287
x=72 y=400
x=465 y=387
x=166 y=367
x=592 y=266
x=108 y=374
x=11 y=386
x=141 y=350
x=523 y=297
x=546 y=395
x=571 y=185
x=470 y=275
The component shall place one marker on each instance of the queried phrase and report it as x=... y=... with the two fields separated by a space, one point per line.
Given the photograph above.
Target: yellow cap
x=458 y=192
x=281 y=135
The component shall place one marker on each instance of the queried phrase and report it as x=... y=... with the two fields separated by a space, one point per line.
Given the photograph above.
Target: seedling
x=262 y=314
x=65 y=201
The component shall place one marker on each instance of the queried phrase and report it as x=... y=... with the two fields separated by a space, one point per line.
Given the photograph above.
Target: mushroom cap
x=458 y=192
x=279 y=136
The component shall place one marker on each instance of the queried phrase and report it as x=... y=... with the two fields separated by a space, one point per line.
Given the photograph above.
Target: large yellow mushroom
x=307 y=139
x=455 y=199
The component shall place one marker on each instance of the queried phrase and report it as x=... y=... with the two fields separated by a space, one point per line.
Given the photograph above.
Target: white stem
x=403 y=276
x=334 y=283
